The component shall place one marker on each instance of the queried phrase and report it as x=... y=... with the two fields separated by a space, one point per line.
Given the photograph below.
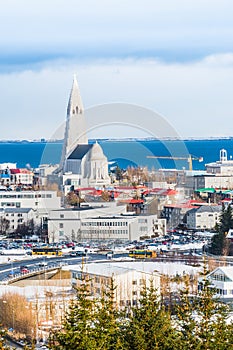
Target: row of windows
x=105 y=223
x=26 y=196
x=142 y=221
x=220 y=277
x=224 y=292
x=11 y=204
x=143 y=228
x=19 y=215
x=106 y=232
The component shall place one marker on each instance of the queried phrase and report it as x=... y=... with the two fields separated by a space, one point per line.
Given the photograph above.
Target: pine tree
x=219 y=243
x=150 y=325
x=202 y=321
x=226 y=219
x=108 y=324
x=77 y=332
x=185 y=321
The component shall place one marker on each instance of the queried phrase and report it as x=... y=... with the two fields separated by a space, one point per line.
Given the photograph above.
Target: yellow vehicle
x=47 y=251
x=142 y=254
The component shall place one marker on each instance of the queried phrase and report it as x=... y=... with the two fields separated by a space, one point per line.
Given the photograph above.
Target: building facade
x=129 y=279
x=204 y=217
x=82 y=164
x=221 y=279
x=104 y=222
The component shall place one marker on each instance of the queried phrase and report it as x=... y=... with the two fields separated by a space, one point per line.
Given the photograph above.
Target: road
x=13 y=268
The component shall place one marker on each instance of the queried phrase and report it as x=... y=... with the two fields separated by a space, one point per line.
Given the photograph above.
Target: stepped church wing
x=82 y=164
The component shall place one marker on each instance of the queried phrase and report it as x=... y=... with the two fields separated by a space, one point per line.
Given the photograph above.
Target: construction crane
x=189 y=158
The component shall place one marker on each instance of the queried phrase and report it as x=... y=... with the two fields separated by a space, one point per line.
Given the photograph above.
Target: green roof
x=208 y=190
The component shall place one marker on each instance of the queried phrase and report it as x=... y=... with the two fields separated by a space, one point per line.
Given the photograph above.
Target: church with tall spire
x=82 y=164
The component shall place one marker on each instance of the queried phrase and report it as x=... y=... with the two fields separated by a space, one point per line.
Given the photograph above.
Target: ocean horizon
x=125 y=152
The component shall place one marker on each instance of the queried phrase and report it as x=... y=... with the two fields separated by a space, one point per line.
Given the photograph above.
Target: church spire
x=75 y=130
x=75 y=105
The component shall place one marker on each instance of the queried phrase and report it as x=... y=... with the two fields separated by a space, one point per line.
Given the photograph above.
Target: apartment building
x=129 y=279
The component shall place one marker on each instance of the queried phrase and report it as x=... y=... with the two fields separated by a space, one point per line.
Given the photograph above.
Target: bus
x=47 y=251
x=142 y=254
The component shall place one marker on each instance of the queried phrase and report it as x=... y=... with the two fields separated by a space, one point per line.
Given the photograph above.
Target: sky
x=173 y=58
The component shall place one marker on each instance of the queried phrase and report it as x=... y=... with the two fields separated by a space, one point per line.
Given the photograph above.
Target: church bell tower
x=75 y=129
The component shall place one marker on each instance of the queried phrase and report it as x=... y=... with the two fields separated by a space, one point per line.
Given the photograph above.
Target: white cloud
x=171 y=56
x=195 y=98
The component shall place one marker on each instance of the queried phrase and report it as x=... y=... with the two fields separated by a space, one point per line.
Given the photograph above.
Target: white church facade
x=82 y=164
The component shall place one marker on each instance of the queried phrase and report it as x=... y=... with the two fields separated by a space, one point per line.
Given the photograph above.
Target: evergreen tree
x=108 y=324
x=150 y=325
x=185 y=321
x=212 y=330
x=219 y=243
x=202 y=322
x=77 y=332
x=226 y=219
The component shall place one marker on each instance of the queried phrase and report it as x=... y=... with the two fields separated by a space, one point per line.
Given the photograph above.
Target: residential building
x=221 y=279
x=129 y=279
x=21 y=177
x=37 y=200
x=203 y=217
x=175 y=213
x=19 y=216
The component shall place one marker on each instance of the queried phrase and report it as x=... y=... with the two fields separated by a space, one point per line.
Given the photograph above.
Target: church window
x=77 y=109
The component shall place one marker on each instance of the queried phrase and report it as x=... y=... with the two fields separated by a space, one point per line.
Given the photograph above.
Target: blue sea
x=124 y=152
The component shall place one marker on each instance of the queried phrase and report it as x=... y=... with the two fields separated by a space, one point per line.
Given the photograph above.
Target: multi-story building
x=124 y=227
x=175 y=213
x=221 y=279
x=40 y=203
x=37 y=200
x=65 y=223
x=107 y=221
x=221 y=167
x=18 y=216
x=129 y=279
x=204 y=217
x=21 y=177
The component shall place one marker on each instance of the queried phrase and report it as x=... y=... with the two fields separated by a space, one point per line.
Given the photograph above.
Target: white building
x=41 y=202
x=204 y=217
x=18 y=216
x=43 y=172
x=221 y=279
x=213 y=181
x=221 y=167
x=37 y=200
x=82 y=164
x=102 y=222
x=65 y=223
x=124 y=227
x=129 y=279
x=21 y=177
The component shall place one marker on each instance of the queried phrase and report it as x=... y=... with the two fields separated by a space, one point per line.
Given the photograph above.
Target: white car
x=42 y=264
